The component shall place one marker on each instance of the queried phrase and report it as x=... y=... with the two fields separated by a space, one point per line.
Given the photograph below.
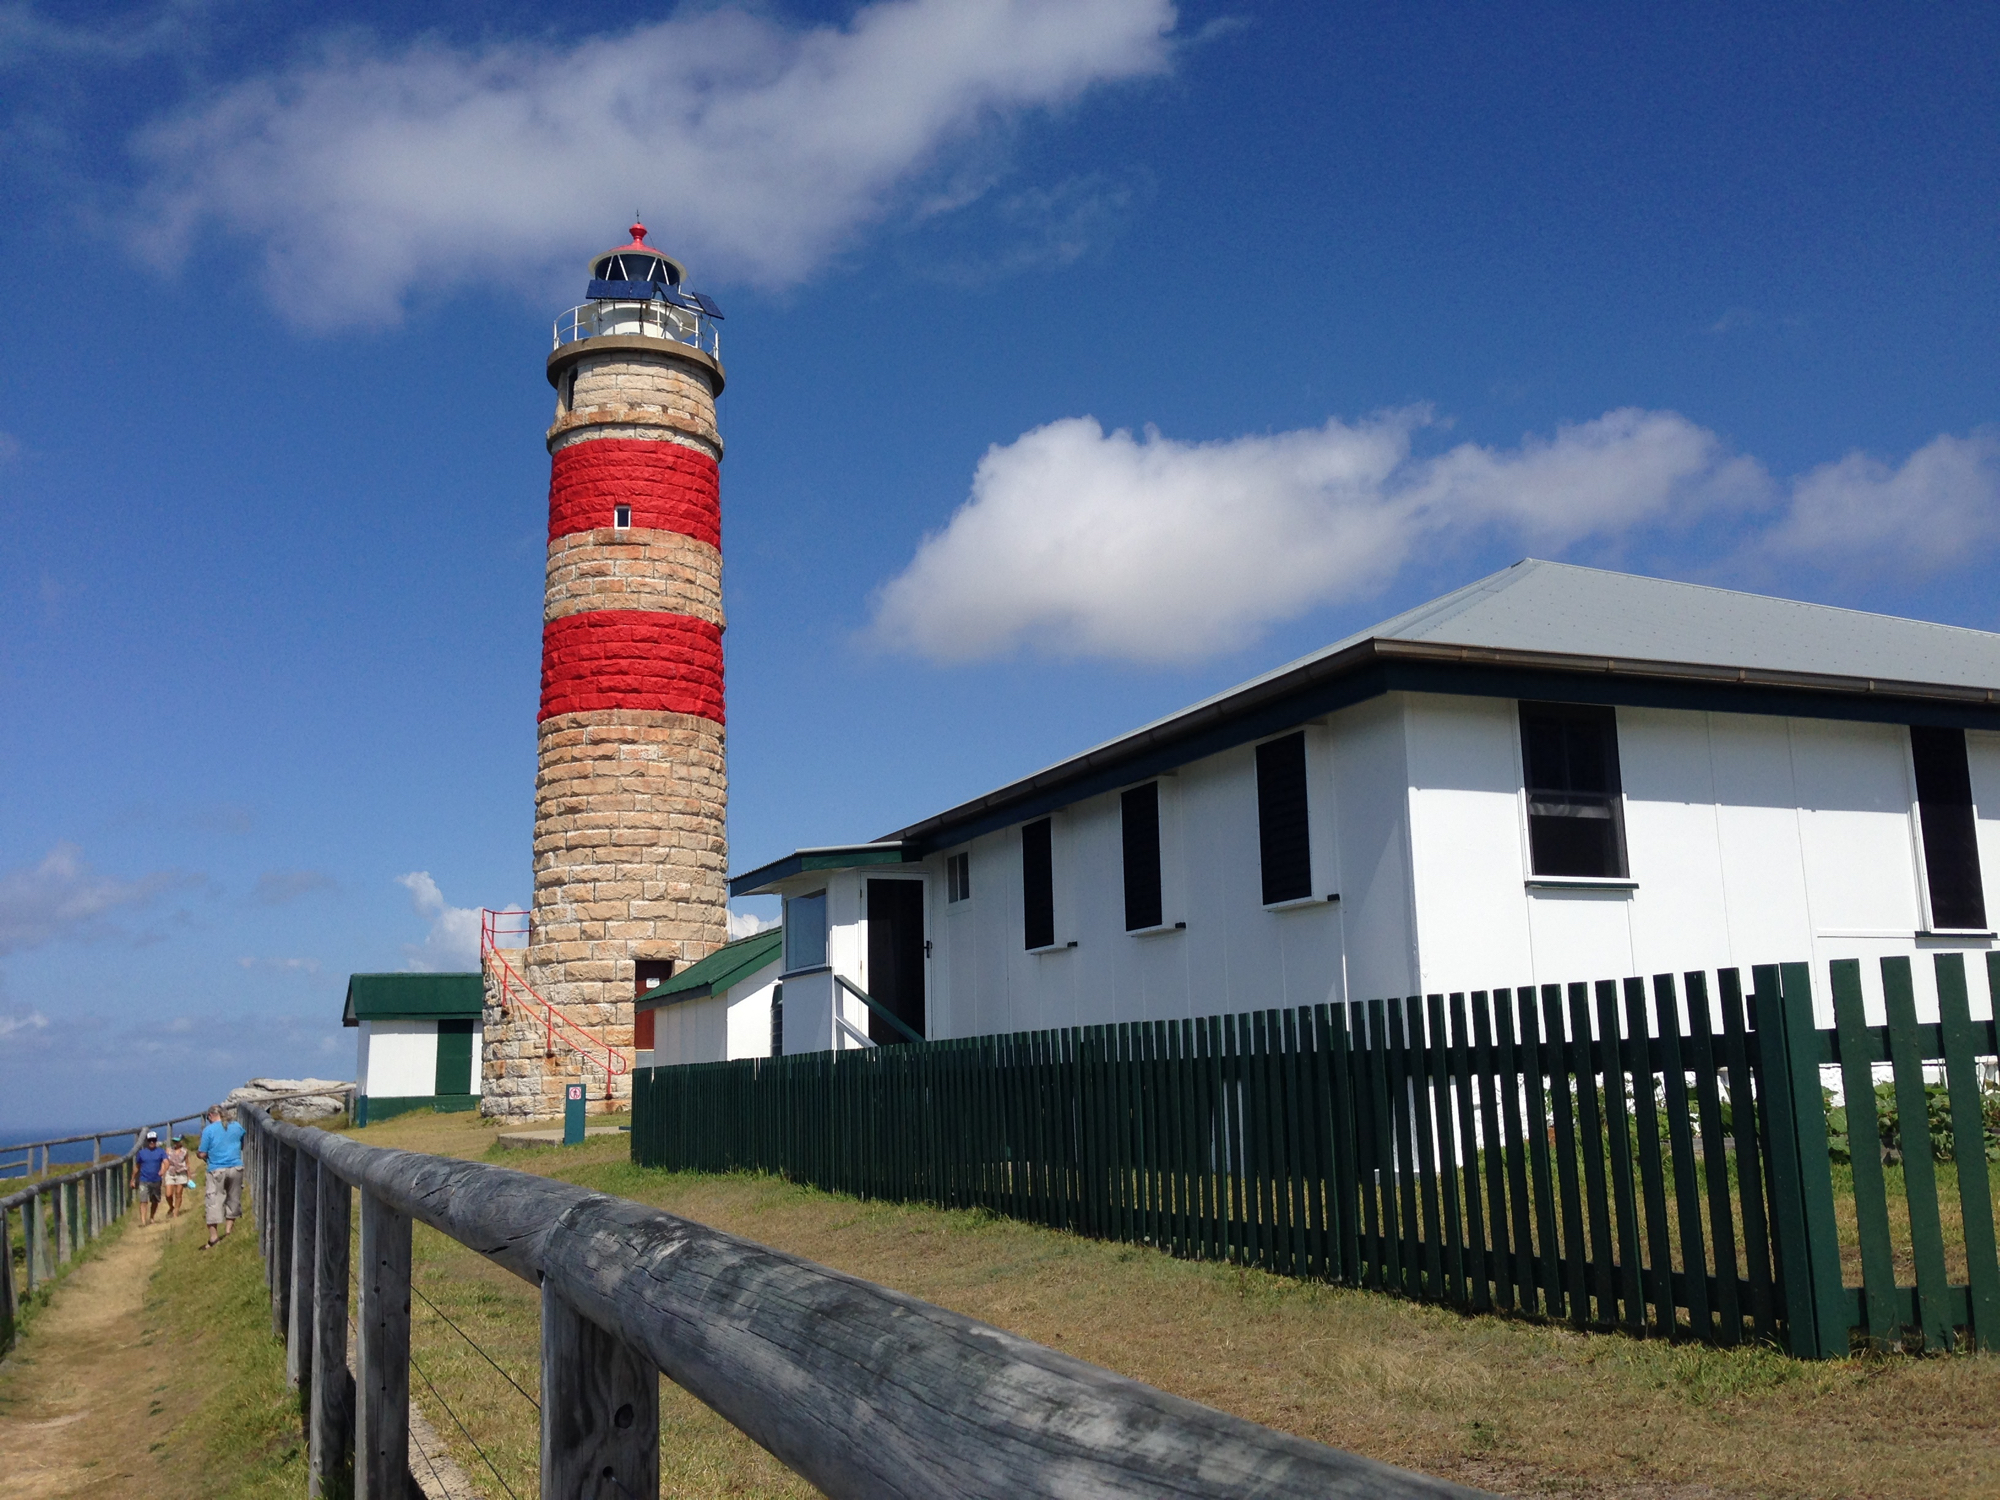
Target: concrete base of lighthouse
x=630 y=865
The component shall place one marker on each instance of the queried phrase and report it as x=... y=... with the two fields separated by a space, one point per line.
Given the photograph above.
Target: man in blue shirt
x=221 y=1147
x=146 y=1175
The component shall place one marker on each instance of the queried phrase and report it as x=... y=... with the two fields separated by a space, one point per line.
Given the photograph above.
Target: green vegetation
x=238 y=1435
x=1937 y=1123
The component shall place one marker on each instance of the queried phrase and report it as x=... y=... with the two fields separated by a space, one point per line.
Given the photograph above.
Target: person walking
x=174 y=1174
x=146 y=1164
x=221 y=1148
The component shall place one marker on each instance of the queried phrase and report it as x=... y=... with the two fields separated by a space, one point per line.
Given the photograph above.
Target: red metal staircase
x=557 y=1029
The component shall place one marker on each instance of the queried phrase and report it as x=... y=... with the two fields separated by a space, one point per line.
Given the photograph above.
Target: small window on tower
x=621 y=517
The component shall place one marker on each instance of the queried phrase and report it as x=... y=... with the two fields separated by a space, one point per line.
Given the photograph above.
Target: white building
x=419 y=1042
x=1553 y=774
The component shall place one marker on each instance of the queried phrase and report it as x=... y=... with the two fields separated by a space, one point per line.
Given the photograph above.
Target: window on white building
x=1284 y=841
x=805 y=932
x=1576 y=815
x=1139 y=813
x=1038 y=885
x=958 y=876
x=1951 y=834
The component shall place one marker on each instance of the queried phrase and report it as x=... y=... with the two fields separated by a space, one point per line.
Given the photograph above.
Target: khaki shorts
x=223 y=1196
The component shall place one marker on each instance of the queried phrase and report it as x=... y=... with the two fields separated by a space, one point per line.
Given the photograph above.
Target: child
x=175 y=1175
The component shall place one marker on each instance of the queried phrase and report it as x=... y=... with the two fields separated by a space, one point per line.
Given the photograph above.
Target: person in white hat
x=146 y=1164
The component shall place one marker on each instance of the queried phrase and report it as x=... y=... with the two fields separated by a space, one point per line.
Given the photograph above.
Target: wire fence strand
x=475 y=1347
x=462 y=1428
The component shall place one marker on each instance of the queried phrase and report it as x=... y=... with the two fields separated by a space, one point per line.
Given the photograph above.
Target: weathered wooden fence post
x=10 y=1302
x=280 y=1260
x=600 y=1408
x=31 y=1239
x=61 y=1204
x=305 y=1264
x=331 y=1431
x=257 y=1175
x=382 y=1394
x=1802 y=1224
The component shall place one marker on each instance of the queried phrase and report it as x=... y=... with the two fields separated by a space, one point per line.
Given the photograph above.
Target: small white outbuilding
x=419 y=1042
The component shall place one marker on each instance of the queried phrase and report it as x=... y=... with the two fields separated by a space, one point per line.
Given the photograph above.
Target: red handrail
x=494 y=925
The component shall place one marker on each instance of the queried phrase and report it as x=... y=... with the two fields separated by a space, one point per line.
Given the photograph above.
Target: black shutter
x=1140 y=812
x=1038 y=886
x=1282 y=840
x=1951 y=836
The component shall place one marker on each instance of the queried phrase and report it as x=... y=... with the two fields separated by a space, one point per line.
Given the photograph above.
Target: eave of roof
x=722 y=969
x=759 y=881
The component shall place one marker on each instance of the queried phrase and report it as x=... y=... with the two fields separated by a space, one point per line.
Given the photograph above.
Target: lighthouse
x=630 y=785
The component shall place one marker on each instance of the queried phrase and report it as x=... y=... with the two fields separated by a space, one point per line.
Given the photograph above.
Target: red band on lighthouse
x=669 y=486
x=631 y=658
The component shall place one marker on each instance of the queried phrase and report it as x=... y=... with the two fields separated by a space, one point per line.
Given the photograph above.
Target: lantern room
x=635 y=291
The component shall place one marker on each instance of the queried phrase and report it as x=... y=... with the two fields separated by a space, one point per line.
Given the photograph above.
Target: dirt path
x=75 y=1395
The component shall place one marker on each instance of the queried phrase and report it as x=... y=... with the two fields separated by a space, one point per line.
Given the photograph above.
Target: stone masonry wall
x=630 y=858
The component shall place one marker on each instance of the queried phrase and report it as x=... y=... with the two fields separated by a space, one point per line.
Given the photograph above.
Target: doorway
x=896 y=957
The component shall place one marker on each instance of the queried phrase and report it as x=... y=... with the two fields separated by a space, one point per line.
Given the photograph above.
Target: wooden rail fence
x=61 y=1213
x=1617 y=1155
x=863 y=1391
x=59 y=1216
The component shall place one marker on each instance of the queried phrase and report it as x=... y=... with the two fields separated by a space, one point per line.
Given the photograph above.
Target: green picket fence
x=1932 y=1312
x=1613 y=1155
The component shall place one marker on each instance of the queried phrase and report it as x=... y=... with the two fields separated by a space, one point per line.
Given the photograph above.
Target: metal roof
x=726 y=966
x=413 y=997
x=1563 y=628
x=1558 y=607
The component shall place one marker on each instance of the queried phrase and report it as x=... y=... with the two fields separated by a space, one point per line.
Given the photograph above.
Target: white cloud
x=743 y=924
x=453 y=940
x=761 y=149
x=32 y=1020
x=1078 y=542
x=62 y=896
x=1938 y=508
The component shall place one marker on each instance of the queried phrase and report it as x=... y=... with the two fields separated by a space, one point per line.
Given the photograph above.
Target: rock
x=318 y=1098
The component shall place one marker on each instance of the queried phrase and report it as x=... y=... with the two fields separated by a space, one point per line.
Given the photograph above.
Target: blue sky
x=1084 y=358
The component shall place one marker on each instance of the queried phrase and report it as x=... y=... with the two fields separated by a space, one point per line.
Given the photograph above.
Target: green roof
x=413 y=997
x=758 y=882
x=727 y=965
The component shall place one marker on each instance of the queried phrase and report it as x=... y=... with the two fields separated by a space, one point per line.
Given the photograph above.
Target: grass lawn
x=1511 y=1406
x=236 y=1432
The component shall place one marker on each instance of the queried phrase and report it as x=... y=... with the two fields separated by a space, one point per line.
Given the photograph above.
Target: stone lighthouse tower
x=630 y=788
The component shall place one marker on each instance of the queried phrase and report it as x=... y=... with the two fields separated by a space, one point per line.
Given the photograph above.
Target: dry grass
x=1516 y=1407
